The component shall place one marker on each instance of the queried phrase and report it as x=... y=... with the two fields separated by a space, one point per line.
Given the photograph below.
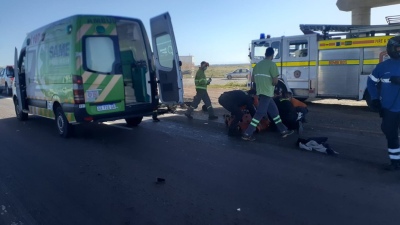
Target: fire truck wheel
x=134 y=121
x=21 y=116
x=64 y=128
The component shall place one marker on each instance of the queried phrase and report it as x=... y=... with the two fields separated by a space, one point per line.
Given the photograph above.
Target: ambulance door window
x=100 y=54
x=165 y=51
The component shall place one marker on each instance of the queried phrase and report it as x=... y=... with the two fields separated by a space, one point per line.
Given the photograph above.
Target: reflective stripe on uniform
x=385 y=80
x=263 y=75
x=254 y=122
x=277 y=119
x=394 y=153
x=394 y=157
x=373 y=78
x=396 y=150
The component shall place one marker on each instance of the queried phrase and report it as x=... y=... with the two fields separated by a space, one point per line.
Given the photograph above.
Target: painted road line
x=117 y=126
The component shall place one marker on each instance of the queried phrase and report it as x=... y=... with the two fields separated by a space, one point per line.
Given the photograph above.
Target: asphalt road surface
x=108 y=173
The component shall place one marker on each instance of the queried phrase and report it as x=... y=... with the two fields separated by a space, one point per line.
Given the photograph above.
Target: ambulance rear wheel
x=134 y=121
x=21 y=116
x=64 y=128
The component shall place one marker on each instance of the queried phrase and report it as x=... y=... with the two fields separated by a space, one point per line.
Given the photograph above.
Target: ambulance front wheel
x=21 y=116
x=64 y=128
x=134 y=121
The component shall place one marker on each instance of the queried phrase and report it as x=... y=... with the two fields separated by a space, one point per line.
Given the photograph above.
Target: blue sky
x=217 y=31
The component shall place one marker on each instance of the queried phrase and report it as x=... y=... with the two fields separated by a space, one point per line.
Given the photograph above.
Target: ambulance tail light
x=88 y=119
x=79 y=95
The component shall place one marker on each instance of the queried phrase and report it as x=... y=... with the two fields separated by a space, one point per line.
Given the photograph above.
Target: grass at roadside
x=221 y=70
x=230 y=85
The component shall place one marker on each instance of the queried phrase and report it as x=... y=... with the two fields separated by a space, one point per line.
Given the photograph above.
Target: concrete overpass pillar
x=361 y=16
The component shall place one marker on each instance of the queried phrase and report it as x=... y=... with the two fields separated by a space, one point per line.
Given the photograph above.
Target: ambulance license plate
x=106 y=107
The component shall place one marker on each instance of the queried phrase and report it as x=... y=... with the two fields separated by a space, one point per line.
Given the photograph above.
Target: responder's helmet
x=393 y=47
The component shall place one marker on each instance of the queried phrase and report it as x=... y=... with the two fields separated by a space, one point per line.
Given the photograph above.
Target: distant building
x=187 y=64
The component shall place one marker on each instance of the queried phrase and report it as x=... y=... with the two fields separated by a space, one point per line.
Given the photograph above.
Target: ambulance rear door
x=296 y=64
x=166 y=59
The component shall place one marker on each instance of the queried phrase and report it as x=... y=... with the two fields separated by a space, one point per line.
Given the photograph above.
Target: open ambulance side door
x=17 y=81
x=166 y=59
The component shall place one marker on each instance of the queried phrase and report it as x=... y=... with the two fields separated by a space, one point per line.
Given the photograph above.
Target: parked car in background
x=6 y=80
x=239 y=73
x=186 y=72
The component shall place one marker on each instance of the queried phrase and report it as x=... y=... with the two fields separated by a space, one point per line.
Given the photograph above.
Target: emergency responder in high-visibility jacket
x=201 y=83
x=235 y=101
x=386 y=99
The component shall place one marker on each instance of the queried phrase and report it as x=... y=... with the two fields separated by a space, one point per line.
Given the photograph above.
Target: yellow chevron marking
x=108 y=88
x=82 y=31
x=85 y=76
x=97 y=82
x=78 y=62
x=114 y=31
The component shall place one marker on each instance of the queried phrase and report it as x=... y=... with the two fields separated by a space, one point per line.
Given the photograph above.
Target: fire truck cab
x=327 y=61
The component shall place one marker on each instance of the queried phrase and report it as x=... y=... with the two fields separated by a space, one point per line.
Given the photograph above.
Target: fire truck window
x=276 y=46
x=259 y=50
x=298 y=48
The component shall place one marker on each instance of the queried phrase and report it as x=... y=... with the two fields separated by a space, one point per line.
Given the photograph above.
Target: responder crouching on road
x=201 y=83
x=235 y=101
x=386 y=99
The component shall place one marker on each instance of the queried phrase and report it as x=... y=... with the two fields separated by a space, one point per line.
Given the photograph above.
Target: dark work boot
x=211 y=115
x=188 y=112
x=393 y=166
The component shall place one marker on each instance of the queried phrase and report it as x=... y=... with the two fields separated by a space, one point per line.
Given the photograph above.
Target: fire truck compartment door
x=339 y=73
x=166 y=59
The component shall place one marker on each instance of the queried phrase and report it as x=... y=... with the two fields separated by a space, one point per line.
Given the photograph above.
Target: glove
x=209 y=81
x=376 y=104
x=395 y=80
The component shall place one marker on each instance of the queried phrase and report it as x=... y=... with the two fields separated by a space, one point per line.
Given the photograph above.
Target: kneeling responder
x=234 y=102
x=387 y=100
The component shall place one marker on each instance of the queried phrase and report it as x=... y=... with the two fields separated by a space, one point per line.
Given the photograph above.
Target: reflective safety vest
x=200 y=80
